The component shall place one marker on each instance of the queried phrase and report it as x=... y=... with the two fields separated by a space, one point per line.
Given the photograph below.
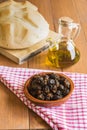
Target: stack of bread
x=21 y=25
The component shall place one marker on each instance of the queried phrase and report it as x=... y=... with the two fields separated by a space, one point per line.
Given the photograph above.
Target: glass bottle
x=63 y=52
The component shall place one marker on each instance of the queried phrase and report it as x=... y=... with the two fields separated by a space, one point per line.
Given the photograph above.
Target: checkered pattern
x=72 y=115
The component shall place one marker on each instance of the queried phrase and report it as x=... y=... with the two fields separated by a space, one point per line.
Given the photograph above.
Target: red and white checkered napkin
x=70 y=116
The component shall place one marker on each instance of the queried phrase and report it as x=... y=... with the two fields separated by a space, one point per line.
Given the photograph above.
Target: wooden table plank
x=13 y=113
x=37 y=123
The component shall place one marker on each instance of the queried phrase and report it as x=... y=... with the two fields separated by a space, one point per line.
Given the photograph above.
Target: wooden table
x=13 y=113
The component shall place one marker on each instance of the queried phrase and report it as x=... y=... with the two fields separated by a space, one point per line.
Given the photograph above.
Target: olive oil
x=63 y=54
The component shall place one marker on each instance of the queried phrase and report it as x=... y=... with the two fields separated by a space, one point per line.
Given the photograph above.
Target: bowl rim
x=38 y=101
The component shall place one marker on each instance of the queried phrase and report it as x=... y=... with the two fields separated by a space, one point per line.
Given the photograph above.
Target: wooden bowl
x=48 y=103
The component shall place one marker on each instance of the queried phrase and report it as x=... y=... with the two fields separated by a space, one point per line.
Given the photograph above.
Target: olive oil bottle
x=63 y=52
x=62 y=56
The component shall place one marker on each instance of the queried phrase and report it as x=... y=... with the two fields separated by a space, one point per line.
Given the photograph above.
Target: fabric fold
x=71 y=115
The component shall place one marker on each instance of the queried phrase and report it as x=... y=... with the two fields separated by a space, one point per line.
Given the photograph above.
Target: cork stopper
x=65 y=20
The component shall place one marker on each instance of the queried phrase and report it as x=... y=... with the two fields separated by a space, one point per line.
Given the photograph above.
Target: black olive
x=41 y=96
x=46 y=89
x=59 y=92
x=51 y=81
x=41 y=78
x=39 y=87
x=38 y=92
x=38 y=79
x=52 y=76
x=57 y=83
x=33 y=93
x=35 y=85
x=61 y=87
x=67 y=83
x=49 y=96
x=55 y=97
x=60 y=96
x=45 y=82
x=62 y=79
x=46 y=77
x=66 y=91
x=54 y=88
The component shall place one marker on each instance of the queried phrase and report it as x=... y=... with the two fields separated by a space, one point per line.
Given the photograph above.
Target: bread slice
x=21 y=25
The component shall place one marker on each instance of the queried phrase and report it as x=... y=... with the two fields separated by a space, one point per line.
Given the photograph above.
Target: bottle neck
x=64 y=38
x=65 y=32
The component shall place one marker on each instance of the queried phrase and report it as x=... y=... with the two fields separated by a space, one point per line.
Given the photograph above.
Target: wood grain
x=13 y=114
